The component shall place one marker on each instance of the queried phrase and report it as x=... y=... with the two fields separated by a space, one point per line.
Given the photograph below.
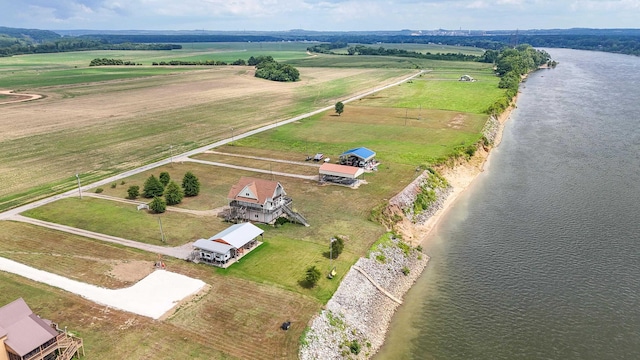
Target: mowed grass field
x=103 y=128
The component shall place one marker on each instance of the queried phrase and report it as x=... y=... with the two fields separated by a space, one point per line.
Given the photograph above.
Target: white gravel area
x=152 y=296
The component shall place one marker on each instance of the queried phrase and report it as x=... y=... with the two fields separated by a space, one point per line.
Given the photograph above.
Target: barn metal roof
x=235 y=236
x=361 y=152
x=25 y=330
x=213 y=246
x=345 y=171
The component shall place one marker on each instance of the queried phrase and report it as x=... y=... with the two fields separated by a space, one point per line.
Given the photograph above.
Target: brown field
x=100 y=129
x=208 y=327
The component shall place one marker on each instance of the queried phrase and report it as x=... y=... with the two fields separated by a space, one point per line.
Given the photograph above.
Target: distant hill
x=30 y=36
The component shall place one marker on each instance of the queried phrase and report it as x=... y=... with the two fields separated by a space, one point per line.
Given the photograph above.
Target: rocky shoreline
x=354 y=322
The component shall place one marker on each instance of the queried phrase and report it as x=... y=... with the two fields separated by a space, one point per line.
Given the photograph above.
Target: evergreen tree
x=190 y=184
x=157 y=205
x=312 y=276
x=152 y=187
x=173 y=194
x=337 y=246
x=133 y=192
x=165 y=178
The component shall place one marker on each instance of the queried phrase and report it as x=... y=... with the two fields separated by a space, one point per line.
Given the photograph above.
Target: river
x=540 y=257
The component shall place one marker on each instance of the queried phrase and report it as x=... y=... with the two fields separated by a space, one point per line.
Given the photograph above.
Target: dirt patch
x=131 y=271
x=457 y=122
x=16 y=98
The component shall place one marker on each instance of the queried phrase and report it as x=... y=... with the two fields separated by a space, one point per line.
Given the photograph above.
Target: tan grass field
x=100 y=129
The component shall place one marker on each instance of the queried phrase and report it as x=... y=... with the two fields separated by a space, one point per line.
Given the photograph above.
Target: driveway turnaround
x=152 y=296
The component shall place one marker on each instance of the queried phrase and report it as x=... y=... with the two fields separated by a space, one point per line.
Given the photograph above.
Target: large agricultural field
x=106 y=123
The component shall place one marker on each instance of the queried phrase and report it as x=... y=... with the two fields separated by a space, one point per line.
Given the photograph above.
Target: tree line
x=266 y=67
x=510 y=65
x=14 y=46
x=105 y=61
x=381 y=51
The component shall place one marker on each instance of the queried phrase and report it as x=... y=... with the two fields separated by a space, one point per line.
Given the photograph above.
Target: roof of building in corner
x=361 y=152
x=25 y=331
x=262 y=189
x=350 y=172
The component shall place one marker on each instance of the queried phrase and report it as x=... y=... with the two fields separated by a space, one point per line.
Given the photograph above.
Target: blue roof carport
x=361 y=152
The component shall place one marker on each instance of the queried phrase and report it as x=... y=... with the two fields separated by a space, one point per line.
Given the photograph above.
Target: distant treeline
x=200 y=62
x=266 y=67
x=381 y=51
x=622 y=42
x=14 y=46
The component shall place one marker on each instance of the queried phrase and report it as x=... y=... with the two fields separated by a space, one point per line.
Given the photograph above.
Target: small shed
x=231 y=243
x=340 y=174
x=360 y=157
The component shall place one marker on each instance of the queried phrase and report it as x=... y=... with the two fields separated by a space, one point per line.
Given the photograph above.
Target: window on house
x=256 y=215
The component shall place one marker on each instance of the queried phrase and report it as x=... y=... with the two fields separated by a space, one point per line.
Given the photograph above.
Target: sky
x=320 y=15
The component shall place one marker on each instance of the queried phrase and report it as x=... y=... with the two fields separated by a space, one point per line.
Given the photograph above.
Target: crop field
x=106 y=125
x=423 y=48
x=100 y=129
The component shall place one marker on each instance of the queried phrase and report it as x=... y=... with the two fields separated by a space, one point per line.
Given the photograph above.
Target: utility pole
x=79 y=187
x=161 y=232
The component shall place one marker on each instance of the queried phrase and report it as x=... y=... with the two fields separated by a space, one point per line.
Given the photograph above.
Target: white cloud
x=318 y=14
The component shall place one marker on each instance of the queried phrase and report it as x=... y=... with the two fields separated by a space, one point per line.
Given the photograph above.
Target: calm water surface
x=540 y=259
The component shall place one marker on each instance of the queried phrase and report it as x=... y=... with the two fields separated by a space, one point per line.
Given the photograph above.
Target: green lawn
x=125 y=221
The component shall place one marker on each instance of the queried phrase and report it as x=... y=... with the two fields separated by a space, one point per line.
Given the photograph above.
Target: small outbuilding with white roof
x=340 y=174
x=229 y=244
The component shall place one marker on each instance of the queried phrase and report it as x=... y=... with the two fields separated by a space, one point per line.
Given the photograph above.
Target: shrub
x=99 y=190
x=405 y=271
x=381 y=258
x=133 y=192
x=354 y=347
x=122 y=182
x=281 y=221
x=157 y=205
x=113 y=186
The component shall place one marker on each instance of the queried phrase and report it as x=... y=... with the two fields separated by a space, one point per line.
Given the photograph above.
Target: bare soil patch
x=131 y=271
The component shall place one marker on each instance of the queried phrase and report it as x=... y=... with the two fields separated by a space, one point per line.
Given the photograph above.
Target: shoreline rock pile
x=354 y=322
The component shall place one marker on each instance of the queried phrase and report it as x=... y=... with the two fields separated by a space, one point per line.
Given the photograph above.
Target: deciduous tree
x=339 y=108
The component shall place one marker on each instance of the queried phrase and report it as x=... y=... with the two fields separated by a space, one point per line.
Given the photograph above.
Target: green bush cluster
x=105 y=61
